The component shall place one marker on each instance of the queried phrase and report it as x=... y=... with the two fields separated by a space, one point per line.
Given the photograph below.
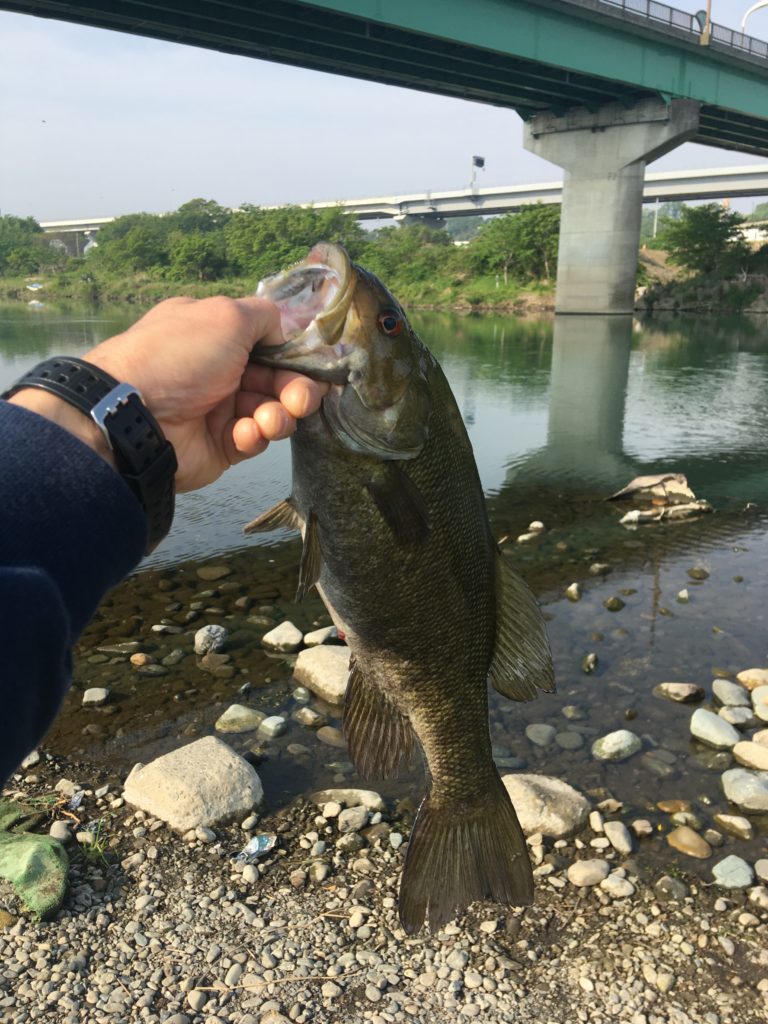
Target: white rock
x=535 y=525
x=709 y=728
x=349 y=798
x=32 y=758
x=273 y=726
x=324 y=671
x=748 y=790
x=60 y=830
x=573 y=592
x=760 y=702
x=682 y=693
x=619 y=836
x=284 y=638
x=738 y=717
x=95 y=696
x=547 y=805
x=683 y=596
x=210 y=639
x=239 y=718
x=730 y=694
x=200 y=784
x=760 y=737
x=352 y=819
x=752 y=755
x=321 y=636
x=733 y=873
x=588 y=872
x=753 y=677
x=617 y=888
x=332 y=809
x=616 y=746
x=540 y=733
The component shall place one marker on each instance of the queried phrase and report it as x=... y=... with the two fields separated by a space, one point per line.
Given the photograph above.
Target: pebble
x=616 y=746
x=239 y=718
x=753 y=678
x=213 y=572
x=573 y=592
x=734 y=825
x=730 y=694
x=325 y=671
x=569 y=739
x=540 y=734
x=332 y=736
x=739 y=717
x=751 y=755
x=689 y=842
x=273 y=726
x=733 y=873
x=352 y=819
x=614 y=603
x=321 y=636
x=210 y=638
x=709 y=728
x=682 y=693
x=95 y=696
x=747 y=789
x=61 y=830
x=284 y=638
x=588 y=872
x=619 y=836
x=617 y=888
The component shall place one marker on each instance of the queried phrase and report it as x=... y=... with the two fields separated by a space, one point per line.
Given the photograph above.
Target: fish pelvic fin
x=457 y=855
x=522 y=661
x=311 y=559
x=380 y=739
x=281 y=515
x=400 y=503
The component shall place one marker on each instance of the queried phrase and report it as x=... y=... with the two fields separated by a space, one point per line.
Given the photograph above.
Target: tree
x=463 y=229
x=416 y=250
x=137 y=242
x=705 y=240
x=200 y=255
x=201 y=215
x=760 y=212
x=20 y=244
x=523 y=244
x=658 y=218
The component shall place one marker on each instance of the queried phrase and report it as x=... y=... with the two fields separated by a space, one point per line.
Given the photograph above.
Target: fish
x=396 y=539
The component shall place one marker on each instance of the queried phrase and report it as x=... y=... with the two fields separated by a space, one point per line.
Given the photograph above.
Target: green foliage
x=760 y=212
x=20 y=247
x=659 y=218
x=523 y=245
x=200 y=215
x=413 y=251
x=198 y=255
x=463 y=229
x=706 y=239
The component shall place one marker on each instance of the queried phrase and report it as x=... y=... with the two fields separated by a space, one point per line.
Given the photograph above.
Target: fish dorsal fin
x=311 y=560
x=522 y=662
x=400 y=503
x=379 y=737
x=281 y=515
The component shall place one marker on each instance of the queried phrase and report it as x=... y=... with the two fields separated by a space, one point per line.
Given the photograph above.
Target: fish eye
x=390 y=323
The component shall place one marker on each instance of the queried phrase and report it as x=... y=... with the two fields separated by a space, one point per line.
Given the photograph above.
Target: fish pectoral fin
x=379 y=737
x=461 y=853
x=400 y=503
x=281 y=515
x=522 y=661
x=311 y=559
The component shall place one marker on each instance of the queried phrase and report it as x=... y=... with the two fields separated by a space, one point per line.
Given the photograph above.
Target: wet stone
x=239 y=718
x=210 y=638
x=614 y=603
x=709 y=728
x=733 y=873
x=616 y=746
x=210 y=573
x=540 y=734
x=332 y=736
x=284 y=638
x=734 y=825
x=682 y=693
x=95 y=696
x=752 y=755
x=698 y=572
x=730 y=694
x=738 y=717
x=686 y=841
x=752 y=678
x=589 y=663
x=747 y=789
x=152 y=670
x=570 y=740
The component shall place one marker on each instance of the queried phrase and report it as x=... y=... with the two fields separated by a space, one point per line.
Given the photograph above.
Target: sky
x=97 y=124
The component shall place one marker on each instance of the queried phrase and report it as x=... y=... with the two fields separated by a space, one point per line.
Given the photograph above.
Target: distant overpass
x=665 y=186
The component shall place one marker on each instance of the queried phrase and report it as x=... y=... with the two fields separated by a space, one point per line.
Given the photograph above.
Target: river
x=561 y=414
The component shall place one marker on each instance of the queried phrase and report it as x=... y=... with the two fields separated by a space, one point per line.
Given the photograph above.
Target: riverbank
x=162 y=929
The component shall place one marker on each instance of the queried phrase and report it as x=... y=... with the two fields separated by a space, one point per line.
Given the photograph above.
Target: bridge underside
x=516 y=54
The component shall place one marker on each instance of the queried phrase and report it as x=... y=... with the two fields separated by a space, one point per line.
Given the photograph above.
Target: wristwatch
x=143 y=456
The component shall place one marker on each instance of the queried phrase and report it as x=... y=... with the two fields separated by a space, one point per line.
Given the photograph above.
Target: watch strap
x=143 y=456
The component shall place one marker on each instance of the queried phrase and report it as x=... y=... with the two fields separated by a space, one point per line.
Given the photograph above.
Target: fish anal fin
x=311 y=558
x=380 y=739
x=522 y=662
x=459 y=854
x=283 y=515
x=400 y=503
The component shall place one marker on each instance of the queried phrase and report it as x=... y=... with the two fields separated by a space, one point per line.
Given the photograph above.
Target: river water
x=561 y=413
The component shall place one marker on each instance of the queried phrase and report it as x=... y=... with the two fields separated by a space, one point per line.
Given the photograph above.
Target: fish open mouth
x=313 y=298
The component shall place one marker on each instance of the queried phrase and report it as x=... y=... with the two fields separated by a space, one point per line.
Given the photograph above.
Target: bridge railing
x=665 y=15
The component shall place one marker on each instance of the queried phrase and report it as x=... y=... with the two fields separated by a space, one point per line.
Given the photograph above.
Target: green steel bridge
x=604 y=86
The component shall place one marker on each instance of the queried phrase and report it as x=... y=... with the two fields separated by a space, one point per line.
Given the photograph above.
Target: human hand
x=189 y=360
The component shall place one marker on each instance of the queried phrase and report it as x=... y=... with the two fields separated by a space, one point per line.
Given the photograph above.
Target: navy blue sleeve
x=70 y=529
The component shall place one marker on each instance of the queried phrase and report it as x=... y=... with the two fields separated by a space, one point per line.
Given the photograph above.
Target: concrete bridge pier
x=604 y=155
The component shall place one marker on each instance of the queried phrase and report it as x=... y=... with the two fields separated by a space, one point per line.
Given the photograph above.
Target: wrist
x=66 y=416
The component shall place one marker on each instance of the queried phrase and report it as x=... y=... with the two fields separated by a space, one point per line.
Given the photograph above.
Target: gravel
x=171 y=930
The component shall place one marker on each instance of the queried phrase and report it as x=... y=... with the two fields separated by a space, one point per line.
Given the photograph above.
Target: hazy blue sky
x=96 y=123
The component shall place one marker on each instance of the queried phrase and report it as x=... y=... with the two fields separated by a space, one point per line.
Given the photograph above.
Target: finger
x=265 y=320
x=273 y=421
x=243 y=440
x=299 y=394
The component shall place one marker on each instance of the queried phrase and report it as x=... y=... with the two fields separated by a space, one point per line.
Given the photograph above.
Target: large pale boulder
x=547 y=805
x=201 y=784
x=324 y=671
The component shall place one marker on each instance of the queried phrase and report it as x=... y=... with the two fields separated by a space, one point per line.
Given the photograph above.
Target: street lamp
x=752 y=9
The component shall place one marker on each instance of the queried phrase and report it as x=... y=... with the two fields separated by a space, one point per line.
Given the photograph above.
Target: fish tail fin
x=457 y=855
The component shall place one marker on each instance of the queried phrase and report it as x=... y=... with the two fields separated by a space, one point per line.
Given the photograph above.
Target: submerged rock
x=198 y=785
x=239 y=718
x=689 y=842
x=210 y=638
x=616 y=746
x=95 y=696
x=285 y=638
x=547 y=805
x=682 y=693
x=733 y=873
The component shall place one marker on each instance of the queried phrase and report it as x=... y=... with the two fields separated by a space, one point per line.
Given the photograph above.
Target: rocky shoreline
x=160 y=928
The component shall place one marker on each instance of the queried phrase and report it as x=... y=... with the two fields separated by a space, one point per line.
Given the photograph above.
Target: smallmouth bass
x=396 y=538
